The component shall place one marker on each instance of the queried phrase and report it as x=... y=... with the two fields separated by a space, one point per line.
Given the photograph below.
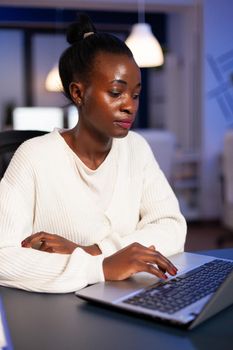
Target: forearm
x=38 y=271
x=53 y=243
x=168 y=237
x=161 y=225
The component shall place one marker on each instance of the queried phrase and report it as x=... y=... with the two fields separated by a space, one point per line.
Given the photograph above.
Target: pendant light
x=53 y=81
x=145 y=47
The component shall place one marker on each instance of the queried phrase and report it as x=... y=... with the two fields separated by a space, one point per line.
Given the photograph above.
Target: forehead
x=108 y=67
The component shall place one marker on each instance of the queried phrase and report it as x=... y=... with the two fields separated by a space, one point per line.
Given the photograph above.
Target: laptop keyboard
x=179 y=292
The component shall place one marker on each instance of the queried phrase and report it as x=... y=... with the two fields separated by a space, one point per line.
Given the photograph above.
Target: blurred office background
x=186 y=110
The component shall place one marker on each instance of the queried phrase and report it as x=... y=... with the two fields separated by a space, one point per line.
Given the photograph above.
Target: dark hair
x=77 y=61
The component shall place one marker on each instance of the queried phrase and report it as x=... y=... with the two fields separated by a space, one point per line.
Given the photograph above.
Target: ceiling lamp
x=53 y=81
x=145 y=47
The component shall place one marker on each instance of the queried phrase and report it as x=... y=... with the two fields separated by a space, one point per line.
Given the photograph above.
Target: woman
x=88 y=204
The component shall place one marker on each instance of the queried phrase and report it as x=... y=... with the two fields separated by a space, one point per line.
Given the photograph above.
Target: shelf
x=186 y=185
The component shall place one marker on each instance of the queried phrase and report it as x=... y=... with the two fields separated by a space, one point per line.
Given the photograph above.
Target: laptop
x=202 y=287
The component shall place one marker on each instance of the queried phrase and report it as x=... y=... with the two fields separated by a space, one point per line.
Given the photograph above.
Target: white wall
x=217 y=41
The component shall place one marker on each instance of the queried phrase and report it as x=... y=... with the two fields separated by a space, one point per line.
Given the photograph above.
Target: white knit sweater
x=42 y=190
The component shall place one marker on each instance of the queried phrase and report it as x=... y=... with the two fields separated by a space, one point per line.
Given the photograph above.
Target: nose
x=129 y=105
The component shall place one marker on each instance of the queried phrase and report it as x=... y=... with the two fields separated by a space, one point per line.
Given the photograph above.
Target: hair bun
x=77 y=30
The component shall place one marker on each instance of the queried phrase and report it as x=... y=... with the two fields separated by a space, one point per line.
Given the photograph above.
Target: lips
x=125 y=124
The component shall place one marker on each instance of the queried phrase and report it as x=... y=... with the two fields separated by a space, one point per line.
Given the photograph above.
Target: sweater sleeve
x=161 y=223
x=27 y=268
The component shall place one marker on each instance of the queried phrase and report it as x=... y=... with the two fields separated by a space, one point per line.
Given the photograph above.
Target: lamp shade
x=53 y=82
x=145 y=47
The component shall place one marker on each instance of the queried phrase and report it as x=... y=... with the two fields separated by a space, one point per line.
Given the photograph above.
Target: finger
x=46 y=247
x=140 y=252
x=167 y=261
x=152 y=270
x=50 y=250
x=156 y=271
x=36 y=244
x=28 y=239
x=161 y=269
x=163 y=264
x=152 y=247
x=52 y=247
x=147 y=250
x=36 y=237
x=33 y=238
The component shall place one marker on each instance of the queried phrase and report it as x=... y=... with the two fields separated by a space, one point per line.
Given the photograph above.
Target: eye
x=114 y=93
x=136 y=96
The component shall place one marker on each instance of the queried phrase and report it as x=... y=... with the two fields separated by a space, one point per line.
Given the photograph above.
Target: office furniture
x=64 y=322
x=181 y=169
x=38 y=118
x=186 y=183
x=227 y=177
x=162 y=143
x=10 y=141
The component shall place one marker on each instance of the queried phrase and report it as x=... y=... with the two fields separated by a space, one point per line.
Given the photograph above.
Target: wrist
x=92 y=249
x=96 y=249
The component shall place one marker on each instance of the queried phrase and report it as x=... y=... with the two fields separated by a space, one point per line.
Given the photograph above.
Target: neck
x=90 y=147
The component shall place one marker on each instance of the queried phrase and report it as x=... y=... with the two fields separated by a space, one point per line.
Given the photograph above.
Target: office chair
x=10 y=141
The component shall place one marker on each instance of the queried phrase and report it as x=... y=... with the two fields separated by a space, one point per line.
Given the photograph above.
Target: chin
x=121 y=134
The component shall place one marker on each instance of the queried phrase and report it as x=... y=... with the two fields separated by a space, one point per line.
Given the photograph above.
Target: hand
x=48 y=242
x=136 y=258
x=51 y=243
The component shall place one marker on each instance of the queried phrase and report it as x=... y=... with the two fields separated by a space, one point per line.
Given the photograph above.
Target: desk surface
x=63 y=322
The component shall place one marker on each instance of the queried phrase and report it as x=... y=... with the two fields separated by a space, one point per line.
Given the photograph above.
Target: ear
x=76 y=92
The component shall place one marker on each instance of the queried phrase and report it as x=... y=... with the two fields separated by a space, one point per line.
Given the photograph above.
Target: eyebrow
x=123 y=82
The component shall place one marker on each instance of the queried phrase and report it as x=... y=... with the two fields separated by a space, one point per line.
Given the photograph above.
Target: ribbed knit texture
x=42 y=191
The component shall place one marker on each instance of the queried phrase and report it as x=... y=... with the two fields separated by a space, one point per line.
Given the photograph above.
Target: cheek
x=100 y=105
x=107 y=104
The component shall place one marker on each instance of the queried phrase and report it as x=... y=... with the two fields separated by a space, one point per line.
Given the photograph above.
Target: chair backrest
x=10 y=140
